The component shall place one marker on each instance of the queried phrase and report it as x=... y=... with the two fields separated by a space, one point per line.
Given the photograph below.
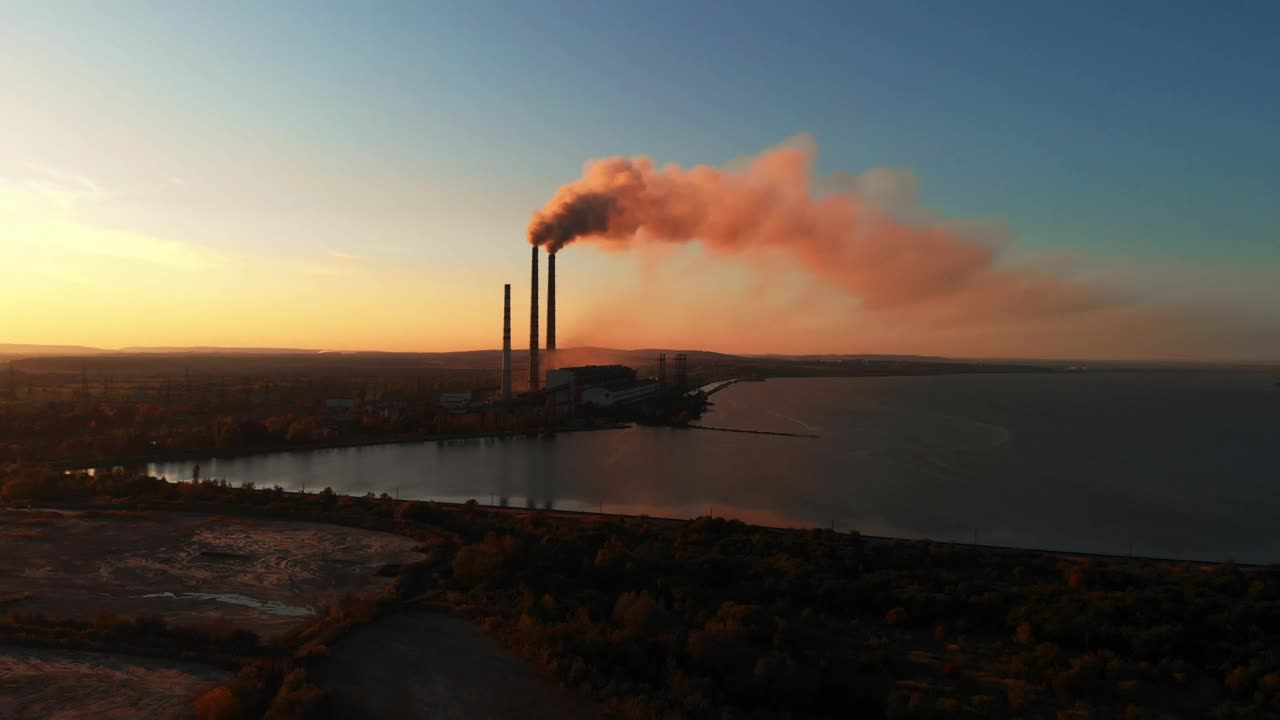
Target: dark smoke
x=584 y=214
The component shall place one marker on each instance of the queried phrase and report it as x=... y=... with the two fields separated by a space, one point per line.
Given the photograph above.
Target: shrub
x=476 y=563
x=217 y=704
x=297 y=699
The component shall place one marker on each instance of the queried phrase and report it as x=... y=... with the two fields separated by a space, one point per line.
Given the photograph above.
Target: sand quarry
x=70 y=685
x=262 y=575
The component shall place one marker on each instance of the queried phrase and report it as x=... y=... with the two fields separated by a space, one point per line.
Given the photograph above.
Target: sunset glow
x=303 y=203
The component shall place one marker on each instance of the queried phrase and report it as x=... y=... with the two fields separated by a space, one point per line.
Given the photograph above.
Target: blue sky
x=1137 y=131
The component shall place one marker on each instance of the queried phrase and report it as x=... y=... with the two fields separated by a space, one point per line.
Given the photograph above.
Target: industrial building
x=455 y=402
x=606 y=397
x=556 y=394
x=598 y=386
x=461 y=402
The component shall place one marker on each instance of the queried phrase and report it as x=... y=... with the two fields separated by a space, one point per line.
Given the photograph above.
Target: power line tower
x=682 y=371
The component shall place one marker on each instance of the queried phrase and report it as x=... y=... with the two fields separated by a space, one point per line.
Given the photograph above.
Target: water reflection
x=1166 y=465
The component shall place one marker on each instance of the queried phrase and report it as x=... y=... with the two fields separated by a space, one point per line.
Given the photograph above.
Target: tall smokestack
x=506 y=343
x=533 y=324
x=551 y=310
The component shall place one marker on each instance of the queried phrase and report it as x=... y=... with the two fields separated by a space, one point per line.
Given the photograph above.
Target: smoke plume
x=864 y=234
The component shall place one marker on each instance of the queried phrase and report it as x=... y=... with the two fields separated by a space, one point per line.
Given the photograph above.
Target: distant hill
x=864 y=356
x=217 y=351
x=245 y=360
x=28 y=350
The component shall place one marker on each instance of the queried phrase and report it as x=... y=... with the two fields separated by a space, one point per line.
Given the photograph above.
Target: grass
x=223 y=520
x=51 y=515
x=22 y=535
x=40 y=521
x=13 y=598
x=118 y=514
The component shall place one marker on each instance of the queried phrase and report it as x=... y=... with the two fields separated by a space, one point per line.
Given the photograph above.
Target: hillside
x=22 y=350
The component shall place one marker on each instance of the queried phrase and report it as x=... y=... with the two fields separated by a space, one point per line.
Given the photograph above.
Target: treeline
x=712 y=617
x=715 y=618
x=114 y=432
x=119 y=430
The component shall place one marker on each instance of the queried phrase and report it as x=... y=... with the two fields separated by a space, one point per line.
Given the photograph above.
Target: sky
x=362 y=175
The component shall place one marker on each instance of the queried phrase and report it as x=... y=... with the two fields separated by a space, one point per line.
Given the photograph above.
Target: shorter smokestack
x=551 y=310
x=533 y=324
x=506 y=343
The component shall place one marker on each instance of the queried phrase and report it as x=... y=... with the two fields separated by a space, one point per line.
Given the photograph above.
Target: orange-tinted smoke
x=845 y=237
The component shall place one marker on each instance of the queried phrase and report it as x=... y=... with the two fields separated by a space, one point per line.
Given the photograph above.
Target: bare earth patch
x=262 y=575
x=70 y=685
x=431 y=665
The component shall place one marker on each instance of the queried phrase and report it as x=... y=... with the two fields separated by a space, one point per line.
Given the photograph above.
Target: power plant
x=506 y=344
x=567 y=390
x=551 y=310
x=533 y=324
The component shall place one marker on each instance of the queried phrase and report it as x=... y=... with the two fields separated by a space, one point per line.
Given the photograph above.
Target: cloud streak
x=40 y=214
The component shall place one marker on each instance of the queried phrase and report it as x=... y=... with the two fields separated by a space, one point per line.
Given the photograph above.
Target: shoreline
x=83 y=464
x=879 y=539
x=567 y=514
x=91 y=463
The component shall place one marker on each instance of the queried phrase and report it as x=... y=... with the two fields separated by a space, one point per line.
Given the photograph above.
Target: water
x=1167 y=465
x=271 y=607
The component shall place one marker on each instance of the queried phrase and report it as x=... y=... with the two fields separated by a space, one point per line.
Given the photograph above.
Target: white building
x=455 y=401
x=567 y=385
x=621 y=395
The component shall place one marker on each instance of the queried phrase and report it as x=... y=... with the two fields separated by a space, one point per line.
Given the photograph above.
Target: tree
x=217 y=704
x=302 y=430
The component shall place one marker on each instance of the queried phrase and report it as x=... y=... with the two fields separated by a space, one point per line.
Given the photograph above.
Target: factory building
x=597 y=385
x=569 y=383
x=455 y=402
x=461 y=402
x=607 y=397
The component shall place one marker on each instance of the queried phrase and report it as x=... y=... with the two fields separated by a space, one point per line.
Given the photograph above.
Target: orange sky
x=78 y=270
x=228 y=175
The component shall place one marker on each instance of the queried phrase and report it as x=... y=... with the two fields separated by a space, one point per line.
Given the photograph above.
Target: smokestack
x=551 y=310
x=533 y=325
x=506 y=343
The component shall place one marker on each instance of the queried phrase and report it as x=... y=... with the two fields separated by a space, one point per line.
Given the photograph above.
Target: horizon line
x=37 y=348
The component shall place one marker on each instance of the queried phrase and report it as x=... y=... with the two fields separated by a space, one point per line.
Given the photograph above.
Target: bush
x=477 y=563
x=297 y=699
x=217 y=704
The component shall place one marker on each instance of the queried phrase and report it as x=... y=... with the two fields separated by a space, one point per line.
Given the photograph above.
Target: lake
x=1158 y=464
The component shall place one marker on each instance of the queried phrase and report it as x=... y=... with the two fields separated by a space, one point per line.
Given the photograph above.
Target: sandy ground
x=69 y=685
x=431 y=665
x=263 y=575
